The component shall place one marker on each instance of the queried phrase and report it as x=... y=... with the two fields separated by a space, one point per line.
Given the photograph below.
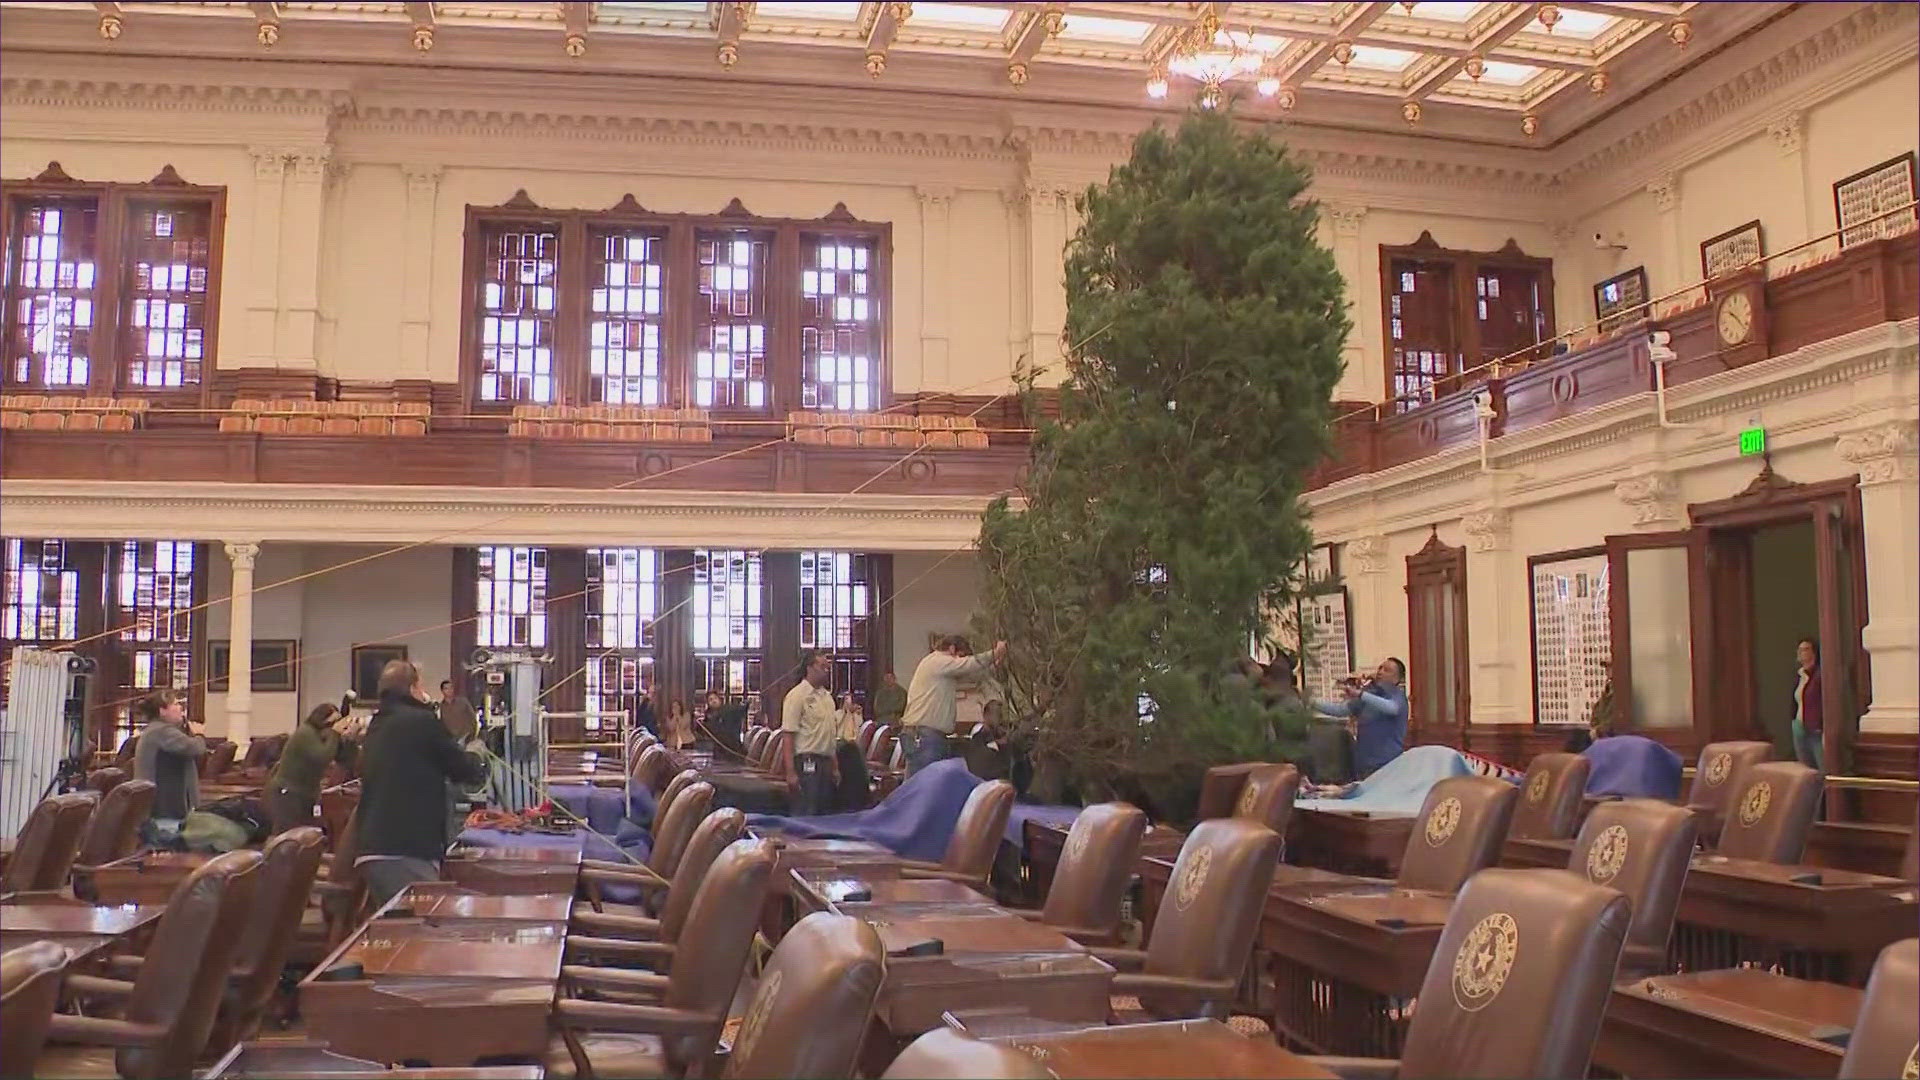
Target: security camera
x=1660 y=347
x=1602 y=243
x=1483 y=405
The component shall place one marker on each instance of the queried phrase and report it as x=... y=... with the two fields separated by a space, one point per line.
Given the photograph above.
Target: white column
x=263 y=299
x=423 y=186
x=1361 y=381
x=241 y=554
x=1788 y=137
x=1019 y=295
x=1493 y=622
x=304 y=206
x=1366 y=559
x=1890 y=504
x=1046 y=279
x=936 y=284
x=1666 y=272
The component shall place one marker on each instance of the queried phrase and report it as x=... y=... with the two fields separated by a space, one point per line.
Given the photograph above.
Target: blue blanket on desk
x=1399 y=787
x=1632 y=766
x=915 y=822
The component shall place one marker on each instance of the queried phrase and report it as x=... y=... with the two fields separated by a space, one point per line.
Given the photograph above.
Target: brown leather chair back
x=219 y=759
x=1206 y=922
x=114 y=831
x=1910 y=862
x=881 y=751
x=897 y=756
x=71 y=814
x=1519 y=980
x=865 y=739
x=675 y=786
x=1267 y=796
x=342 y=907
x=773 y=753
x=1095 y=865
x=180 y=983
x=756 y=744
x=945 y=1054
x=1772 y=813
x=1220 y=788
x=105 y=780
x=1550 y=797
x=1642 y=848
x=715 y=942
x=710 y=838
x=259 y=751
x=30 y=847
x=288 y=867
x=1459 y=831
x=671 y=833
x=30 y=978
x=810 y=1010
x=1716 y=774
x=978 y=831
x=654 y=768
x=1886 y=1035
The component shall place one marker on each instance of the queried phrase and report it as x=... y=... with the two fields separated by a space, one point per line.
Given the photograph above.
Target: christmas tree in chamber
x=1161 y=516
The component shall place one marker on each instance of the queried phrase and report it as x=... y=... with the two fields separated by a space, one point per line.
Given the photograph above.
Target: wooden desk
x=438 y=902
x=527 y=871
x=1347 y=964
x=1536 y=854
x=1363 y=843
x=817 y=890
x=441 y=994
x=1811 y=922
x=308 y=1059
x=148 y=877
x=1738 y=1022
x=86 y=930
x=1180 y=1048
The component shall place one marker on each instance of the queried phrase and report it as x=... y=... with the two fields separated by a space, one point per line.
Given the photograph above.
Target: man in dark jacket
x=406 y=761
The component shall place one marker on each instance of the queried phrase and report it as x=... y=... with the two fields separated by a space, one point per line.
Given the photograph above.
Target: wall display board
x=1571 y=637
x=1326 y=636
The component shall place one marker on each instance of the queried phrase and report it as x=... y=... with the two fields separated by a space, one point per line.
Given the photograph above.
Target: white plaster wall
x=401 y=599
x=933 y=597
x=276 y=614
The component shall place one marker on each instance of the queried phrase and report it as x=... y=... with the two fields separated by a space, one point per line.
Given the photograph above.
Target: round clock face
x=1735 y=318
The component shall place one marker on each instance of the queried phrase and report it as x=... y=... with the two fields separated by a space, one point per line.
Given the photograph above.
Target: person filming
x=1375 y=707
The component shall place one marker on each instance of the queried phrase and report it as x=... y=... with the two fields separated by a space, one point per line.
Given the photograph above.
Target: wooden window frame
x=571 y=308
x=1466 y=265
x=1436 y=565
x=107 y=374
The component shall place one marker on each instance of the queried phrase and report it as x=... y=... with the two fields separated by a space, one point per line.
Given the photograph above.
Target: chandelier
x=1213 y=57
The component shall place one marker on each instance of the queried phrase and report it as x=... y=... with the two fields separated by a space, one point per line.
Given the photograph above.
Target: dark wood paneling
x=1410 y=436
x=1576 y=382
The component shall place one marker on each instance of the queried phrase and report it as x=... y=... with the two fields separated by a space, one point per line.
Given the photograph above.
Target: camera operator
x=1376 y=710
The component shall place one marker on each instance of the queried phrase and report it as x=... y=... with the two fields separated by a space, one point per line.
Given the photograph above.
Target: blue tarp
x=915 y=822
x=625 y=840
x=1399 y=787
x=602 y=807
x=1633 y=766
x=1045 y=814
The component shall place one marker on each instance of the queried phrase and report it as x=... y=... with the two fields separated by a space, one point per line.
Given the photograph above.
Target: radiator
x=33 y=734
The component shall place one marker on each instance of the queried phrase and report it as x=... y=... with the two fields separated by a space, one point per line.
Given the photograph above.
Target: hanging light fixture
x=1213 y=56
x=1157 y=83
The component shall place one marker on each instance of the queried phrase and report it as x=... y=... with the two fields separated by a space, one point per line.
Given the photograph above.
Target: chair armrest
x=1121 y=959
x=1030 y=914
x=625 y=926
x=1355 y=1068
x=925 y=871
x=640 y=1019
x=1133 y=982
x=98 y=987
x=615 y=979
x=95 y=1031
x=126 y=963
x=598 y=946
x=628 y=873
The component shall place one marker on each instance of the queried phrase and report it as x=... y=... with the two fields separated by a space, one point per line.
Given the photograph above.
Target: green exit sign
x=1753 y=441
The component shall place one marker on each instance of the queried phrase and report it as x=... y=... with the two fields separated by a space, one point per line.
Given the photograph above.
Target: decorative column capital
x=269 y=162
x=1653 y=497
x=1346 y=218
x=934 y=196
x=421 y=178
x=1665 y=190
x=1886 y=453
x=242 y=553
x=1369 y=553
x=310 y=163
x=1786 y=131
x=1488 y=528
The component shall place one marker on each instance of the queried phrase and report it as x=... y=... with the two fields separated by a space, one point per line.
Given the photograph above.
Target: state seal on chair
x=1485 y=959
x=1444 y=819
x=1753 y=806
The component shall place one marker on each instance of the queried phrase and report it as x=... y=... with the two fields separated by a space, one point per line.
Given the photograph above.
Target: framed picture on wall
x=1323 y=566
x=1861 y=202
x=1732 y=250
x=1572 y=638
x=1326 y=641
x=367 y=662
x=276 y=665
x=1619 y=299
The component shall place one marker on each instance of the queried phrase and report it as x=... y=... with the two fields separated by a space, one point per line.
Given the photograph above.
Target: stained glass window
x=511 y=597
x=728 y=642
x=627 y=322
x=622 y=602
x=153 y=614
x=519 y=289
x=730 y=325
x=164 y=345
x=51 y=277
x=836 y=608
x=840 y=325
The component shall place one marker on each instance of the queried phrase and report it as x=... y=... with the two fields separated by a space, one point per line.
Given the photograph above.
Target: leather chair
x=1267 y=795
x=1204 y=929
x=259 y=753
x=654 y=768
x=168 y=1010
x=1096 y=864
x=1716 y=775
x=674 y=787
x=114 y=831
x=1886 y=1036
x=48 y=843
x=676 y=1033
x=219 y=759
x=30 y=848
x=105 y=780
x=1517 y=985
x=710 y=838
x=1641 y=848
x=1220 y=788
x=864 y=740
x=976 y=838
x=880 y=751
x=756 y=744
x=670 y=836
x=343 y=892
x=773 y=754
x=945 y=1054
x=30 y=979
x=810 y=1011
x=1459 y=832
x=1550 y=797
x=290 y=864
x=1771 y=813
x=1910 y=862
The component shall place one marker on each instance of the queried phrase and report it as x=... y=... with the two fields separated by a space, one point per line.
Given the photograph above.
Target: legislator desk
x=400 y=990
x=819 y=889
x=605 y=767
x=1347 y=963
x=1367 y=843
x=443 y=902
x=515 y=871
x=858 y=858
x=147 y=877
x=1811 y=922
x=1536 y=854
x=1739 y=1022
x=311 y=1059
x=87 y=931
x=1177 y=1048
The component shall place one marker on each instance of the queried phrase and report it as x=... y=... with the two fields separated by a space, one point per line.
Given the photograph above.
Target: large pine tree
x=1205 y=325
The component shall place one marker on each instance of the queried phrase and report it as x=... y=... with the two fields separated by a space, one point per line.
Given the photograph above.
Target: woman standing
x=1807 y=712
x=294 y=787
x=679 y=733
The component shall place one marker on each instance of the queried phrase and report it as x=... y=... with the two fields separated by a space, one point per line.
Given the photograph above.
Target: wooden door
x=1660 y=618
x=1438 y=692
x=1841 y=577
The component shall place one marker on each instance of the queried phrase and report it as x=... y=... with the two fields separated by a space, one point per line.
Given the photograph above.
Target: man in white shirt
x=932 y=698
x=813 y=726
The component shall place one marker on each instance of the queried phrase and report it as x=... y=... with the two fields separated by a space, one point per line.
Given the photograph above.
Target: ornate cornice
x=1886 y=453
x=1488 y=528
x=1654 y=498
x=1370 y=553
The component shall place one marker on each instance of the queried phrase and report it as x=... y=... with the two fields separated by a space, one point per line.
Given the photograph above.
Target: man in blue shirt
x=1377 y=712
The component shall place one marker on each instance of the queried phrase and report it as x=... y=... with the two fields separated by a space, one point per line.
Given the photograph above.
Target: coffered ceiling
x=1503 y=71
